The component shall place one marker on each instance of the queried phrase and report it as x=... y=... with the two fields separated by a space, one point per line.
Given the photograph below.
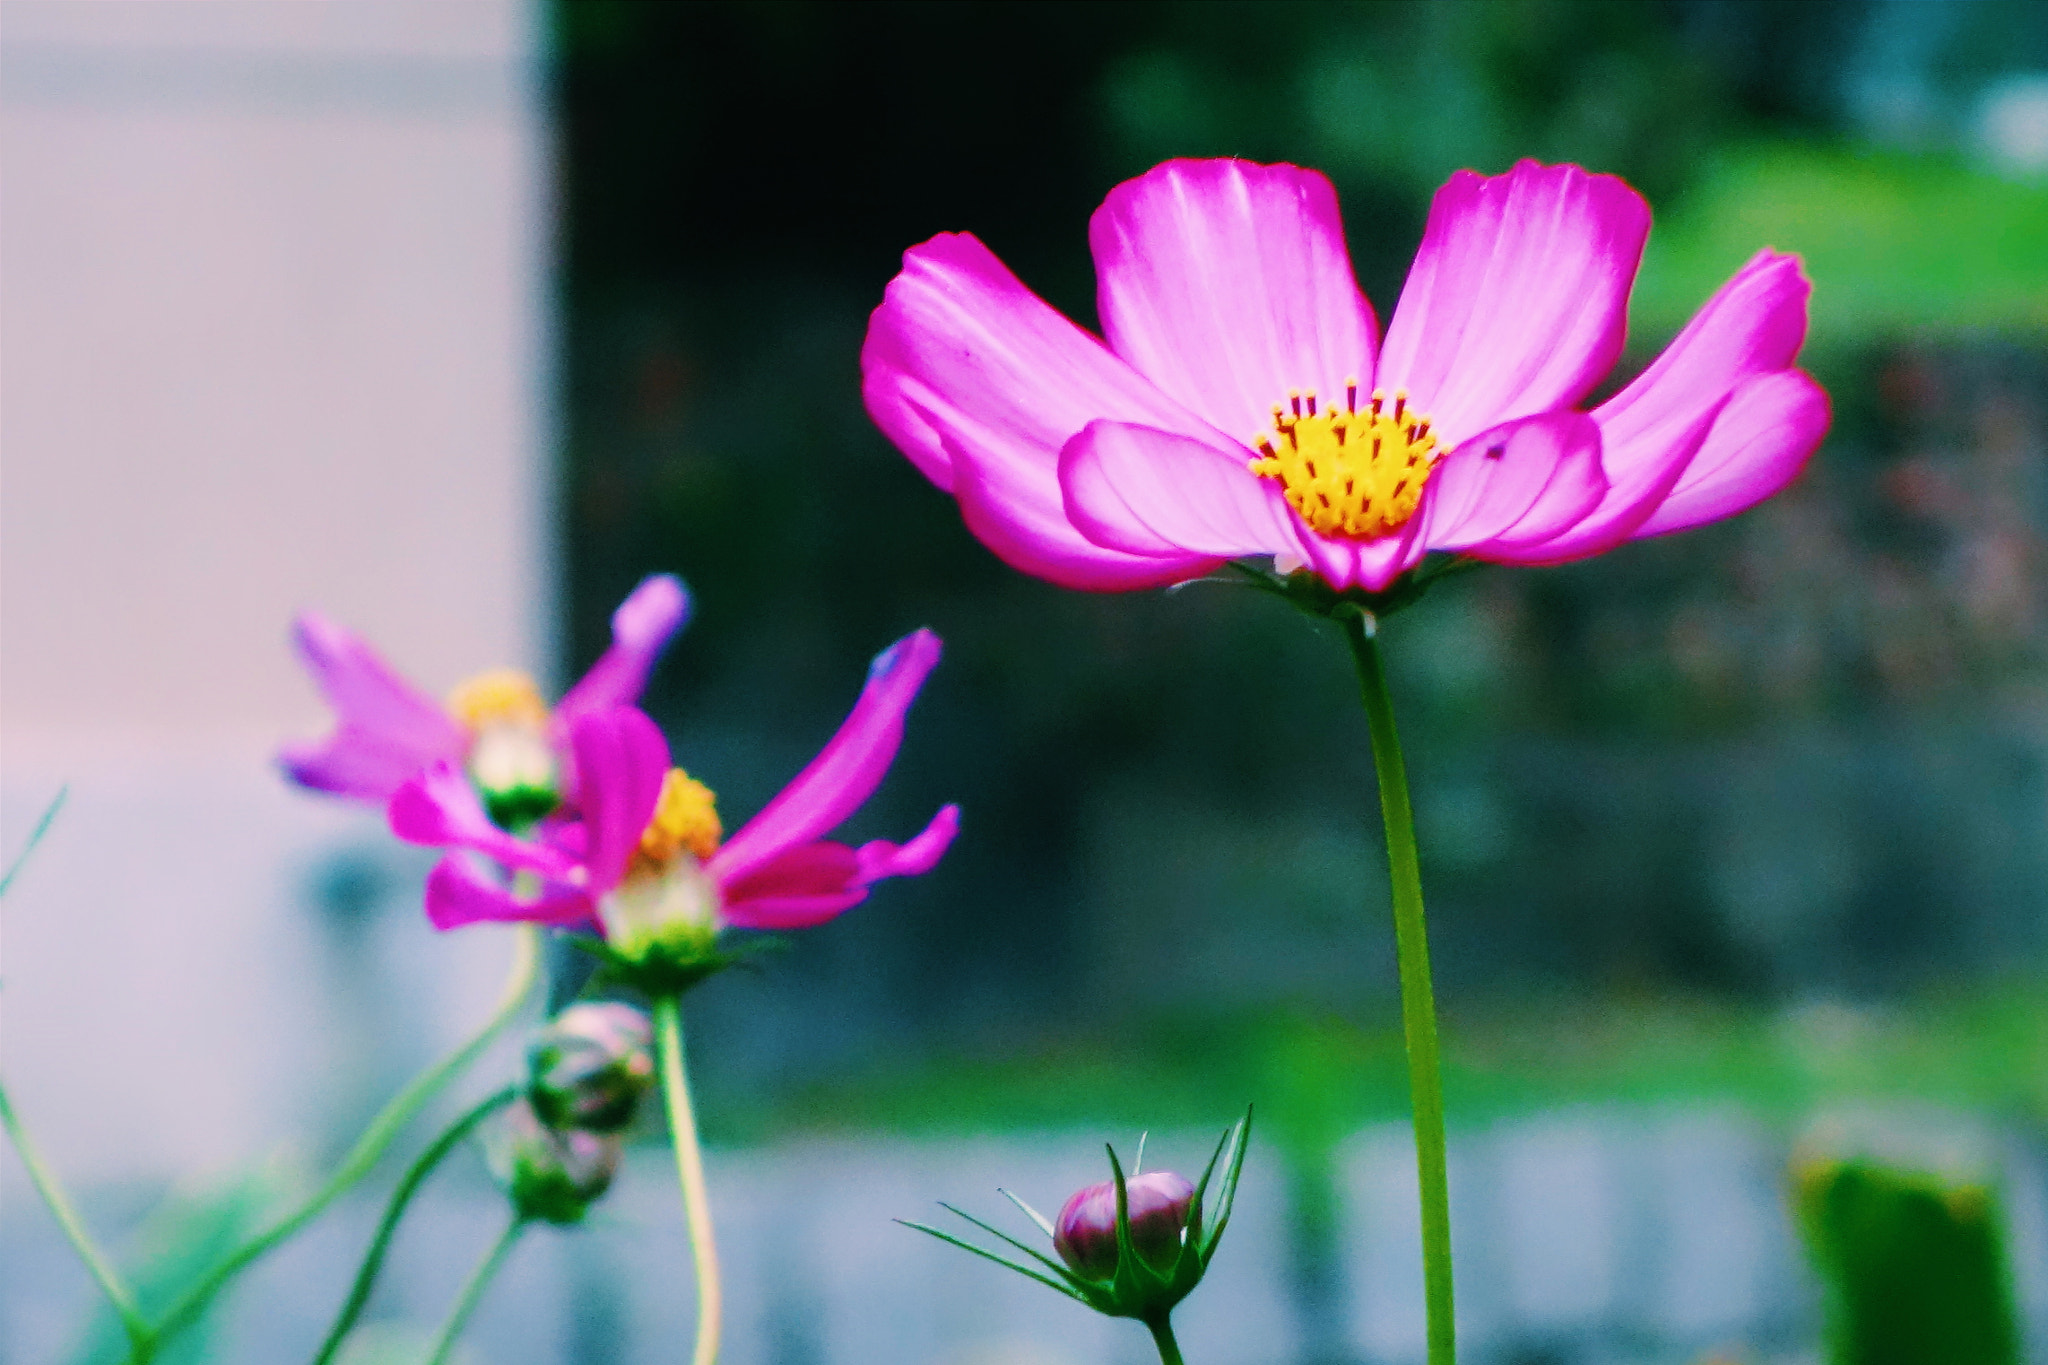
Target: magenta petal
x=793 y=912
x=459 y=893
x=389 y=730
x=834 y=784
x=439 y=808
x=1517 y=300
x=1227 y=284
x=960 y=350
x=1759 y=443
x=621 y=762
x=1024 y=522
x=641 y=629
x=1146 y=491
x=879 y=858
x=796 y=889
x=1515 y=486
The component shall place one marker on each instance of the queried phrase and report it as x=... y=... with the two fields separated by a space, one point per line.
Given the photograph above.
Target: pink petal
x=980 y=383
x=1515 y=486
x=1227 y=284
x=1517 y=300
x=440 y=809
x=1150 y=492
x=793 y=912
x=834 y=784
x=641 y=629
x=459 y=894
x=389 y=730
x=1369 y=564
x=879 y=858
x=621 y=760
x=1652 y=430
x=1759 y=443
x=1030 y=532
x=796 y=889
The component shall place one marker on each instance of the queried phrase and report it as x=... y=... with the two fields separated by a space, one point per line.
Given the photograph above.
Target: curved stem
x=415 y=1176
x=67 y=1218
x=369 y=1147
x=473 y=1292
x=1162 y=1337
x=1418 y=1002
x=682 y=1125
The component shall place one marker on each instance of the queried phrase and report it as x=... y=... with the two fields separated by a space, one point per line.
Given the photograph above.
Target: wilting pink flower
x=645 y=861
x=495 y=724
x=1242 y=402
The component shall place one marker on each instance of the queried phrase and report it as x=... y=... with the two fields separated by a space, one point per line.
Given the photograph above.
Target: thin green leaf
x=988 y=1255
x=1032 y=1252
x=1138 y=1166
x=1228 y=1197
x=1033 y=1214
x=35 y=837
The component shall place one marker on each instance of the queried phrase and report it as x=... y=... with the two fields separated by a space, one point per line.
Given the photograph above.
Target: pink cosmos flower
x=496 y=723
x=1241 y=400
x=645 y=860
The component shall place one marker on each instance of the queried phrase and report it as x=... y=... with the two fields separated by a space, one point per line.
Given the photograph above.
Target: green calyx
x=671 y=961
x=1309 y=593
x=1139 y=1288
x=519 y=808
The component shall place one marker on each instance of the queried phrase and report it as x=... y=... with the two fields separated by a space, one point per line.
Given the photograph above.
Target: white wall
x=273 y=334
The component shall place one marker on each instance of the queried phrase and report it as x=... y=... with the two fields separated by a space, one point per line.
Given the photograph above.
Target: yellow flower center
x=685 y=820
x=503 y=696
x=1349 y=473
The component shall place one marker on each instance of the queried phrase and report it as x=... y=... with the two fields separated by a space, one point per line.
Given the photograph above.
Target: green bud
x=589 y=1067
x=550 y=1174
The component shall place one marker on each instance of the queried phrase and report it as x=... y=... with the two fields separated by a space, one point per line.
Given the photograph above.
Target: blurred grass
x=1316 y=1078
x=1892 y=241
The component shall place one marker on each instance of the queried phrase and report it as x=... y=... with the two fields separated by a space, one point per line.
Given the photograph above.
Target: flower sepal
x=1310 y=593
x=1156 y=1263
x=551 y=1175
x=674 y=961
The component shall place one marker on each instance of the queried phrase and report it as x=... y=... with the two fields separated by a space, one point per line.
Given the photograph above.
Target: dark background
x=1794 y=757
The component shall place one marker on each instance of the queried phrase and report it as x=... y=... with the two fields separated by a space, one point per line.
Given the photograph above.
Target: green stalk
x=373 y=1259
x=67 y=1218
x=1418 y=1002
x=369 y=1148
x=1162 y=1337
x=473 y=1292
x=682 y=1125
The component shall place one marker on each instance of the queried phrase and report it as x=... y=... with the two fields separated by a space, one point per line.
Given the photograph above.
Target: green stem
x=682 y=1126
x=67 y=1218
x=1418 y=1003
x=369 y=1148
x=473 y=1292
x=1162 y=1337
x=373 y=1259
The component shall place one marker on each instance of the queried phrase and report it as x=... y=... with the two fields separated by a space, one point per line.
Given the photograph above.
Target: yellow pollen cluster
x=685 y=819
x=503 y=696
x=1349 y=473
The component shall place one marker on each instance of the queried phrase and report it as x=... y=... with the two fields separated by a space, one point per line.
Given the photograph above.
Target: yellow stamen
x=1349 y=473
x=503 y=696
x=685 y=819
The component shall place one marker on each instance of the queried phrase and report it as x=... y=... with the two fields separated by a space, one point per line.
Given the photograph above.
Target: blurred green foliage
x=1915 y=1266
x=183 y=1237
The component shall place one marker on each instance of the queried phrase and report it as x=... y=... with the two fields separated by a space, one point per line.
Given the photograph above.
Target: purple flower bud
x=550 y=1174
x=1085 y=1233
x=588 y=1069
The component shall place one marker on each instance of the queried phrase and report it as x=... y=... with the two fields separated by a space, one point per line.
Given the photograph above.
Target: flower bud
x=551 y=1175
x=590 y=1066
x=1158 y=1204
